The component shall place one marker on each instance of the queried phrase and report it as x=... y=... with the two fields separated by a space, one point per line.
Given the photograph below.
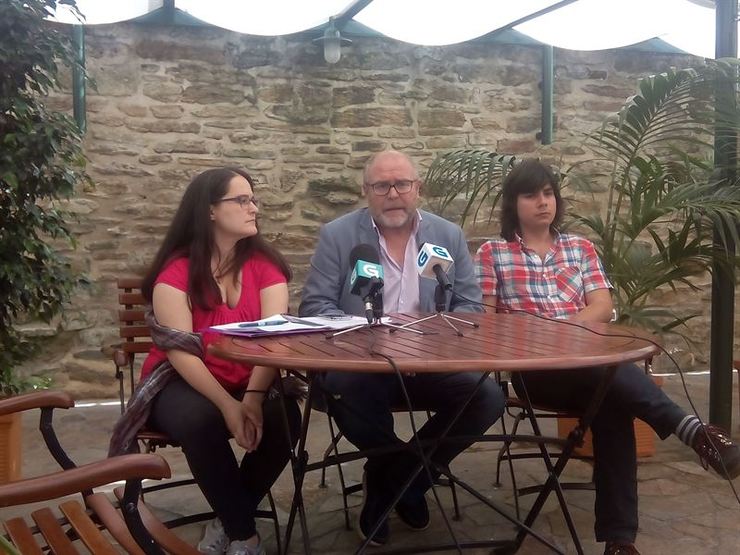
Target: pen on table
x=261 y=324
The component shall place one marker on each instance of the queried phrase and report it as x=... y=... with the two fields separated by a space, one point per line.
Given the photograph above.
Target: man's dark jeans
x=632 y=394
x=362 y=404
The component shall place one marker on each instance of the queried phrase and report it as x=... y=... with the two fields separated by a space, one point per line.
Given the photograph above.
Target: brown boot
x=613 y=548
x=722 y=454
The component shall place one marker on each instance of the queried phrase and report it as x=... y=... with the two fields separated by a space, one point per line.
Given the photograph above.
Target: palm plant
x=663 y=200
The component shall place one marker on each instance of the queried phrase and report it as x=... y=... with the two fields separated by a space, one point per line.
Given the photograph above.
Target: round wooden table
x=500 y=342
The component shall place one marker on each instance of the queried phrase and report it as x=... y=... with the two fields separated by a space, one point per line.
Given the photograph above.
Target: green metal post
x=78 y=77
x=723 y=282
x=548 y=76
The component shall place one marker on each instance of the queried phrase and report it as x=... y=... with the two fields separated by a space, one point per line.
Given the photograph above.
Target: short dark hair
x=190 y=235
x=528 y=176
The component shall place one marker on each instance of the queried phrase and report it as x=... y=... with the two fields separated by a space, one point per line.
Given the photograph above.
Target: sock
x=687 y=428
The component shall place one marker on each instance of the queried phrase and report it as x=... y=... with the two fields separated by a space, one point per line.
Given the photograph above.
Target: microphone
x=433 y=262
x=366 y=279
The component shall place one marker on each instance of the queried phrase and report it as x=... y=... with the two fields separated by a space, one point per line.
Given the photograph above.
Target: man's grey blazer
x=327 y=287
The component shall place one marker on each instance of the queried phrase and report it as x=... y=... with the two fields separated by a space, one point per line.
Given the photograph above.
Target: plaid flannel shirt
x=555 y=287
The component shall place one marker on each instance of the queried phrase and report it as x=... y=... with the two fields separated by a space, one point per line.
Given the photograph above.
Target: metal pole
x=78 y=77
x=723 y=282
x=547 y=94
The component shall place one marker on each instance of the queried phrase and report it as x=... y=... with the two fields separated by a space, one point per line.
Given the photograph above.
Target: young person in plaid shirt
x=537 y=269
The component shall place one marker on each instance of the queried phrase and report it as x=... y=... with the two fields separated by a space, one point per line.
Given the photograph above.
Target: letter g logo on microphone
x=422 y=258
x=372 y=270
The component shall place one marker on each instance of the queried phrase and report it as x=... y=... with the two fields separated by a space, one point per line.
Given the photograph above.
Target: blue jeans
x=362 y=403
x=632 y=394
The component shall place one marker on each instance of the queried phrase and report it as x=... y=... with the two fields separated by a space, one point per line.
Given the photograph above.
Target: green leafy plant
x=663 y=198
x=41 y=163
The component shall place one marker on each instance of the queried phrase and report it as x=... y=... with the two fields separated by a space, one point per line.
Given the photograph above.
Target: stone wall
x=171 y=102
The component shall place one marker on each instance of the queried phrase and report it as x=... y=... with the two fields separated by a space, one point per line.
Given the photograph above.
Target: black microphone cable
x=426 y=462
x=625 y=336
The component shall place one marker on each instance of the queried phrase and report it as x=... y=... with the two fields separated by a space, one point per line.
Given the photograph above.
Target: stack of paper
x=283 y=323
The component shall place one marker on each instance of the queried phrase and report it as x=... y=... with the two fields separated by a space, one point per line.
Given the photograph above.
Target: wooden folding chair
x=136 y=337
x=93 y=524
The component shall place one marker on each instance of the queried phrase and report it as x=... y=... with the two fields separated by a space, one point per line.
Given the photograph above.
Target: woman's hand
x=238 y=423
x=252 y=409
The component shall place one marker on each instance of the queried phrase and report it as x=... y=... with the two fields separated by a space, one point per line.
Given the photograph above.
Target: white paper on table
x=284 y=324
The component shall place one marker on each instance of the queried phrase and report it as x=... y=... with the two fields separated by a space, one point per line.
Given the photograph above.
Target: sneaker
x=372 y=509
x=722 y=454
x=613 y=548
x=242 y=548
x=414 y=513
x=214 y=541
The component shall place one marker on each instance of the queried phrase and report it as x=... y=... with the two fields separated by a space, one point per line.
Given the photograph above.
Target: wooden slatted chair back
x=132 y=330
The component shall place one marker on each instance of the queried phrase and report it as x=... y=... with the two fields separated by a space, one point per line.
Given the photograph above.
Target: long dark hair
x=528 y=176
x=191 y=235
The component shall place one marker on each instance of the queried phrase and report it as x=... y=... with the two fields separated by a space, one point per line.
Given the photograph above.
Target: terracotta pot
x=10 y=447
x=644 y=434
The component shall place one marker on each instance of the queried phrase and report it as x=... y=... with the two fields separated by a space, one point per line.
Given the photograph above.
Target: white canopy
x=581 y=25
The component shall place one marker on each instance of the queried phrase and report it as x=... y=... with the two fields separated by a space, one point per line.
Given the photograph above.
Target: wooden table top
x=502 y=342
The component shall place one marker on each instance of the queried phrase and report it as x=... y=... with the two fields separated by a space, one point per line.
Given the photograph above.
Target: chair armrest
x=36 y=400
x=75 y=480
x=120 y=357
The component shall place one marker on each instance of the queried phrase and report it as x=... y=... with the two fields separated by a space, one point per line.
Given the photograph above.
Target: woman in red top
x=214 y=268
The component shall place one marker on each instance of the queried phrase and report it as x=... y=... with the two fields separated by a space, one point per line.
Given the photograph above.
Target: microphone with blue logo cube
x=366 y=279
x=432 y=262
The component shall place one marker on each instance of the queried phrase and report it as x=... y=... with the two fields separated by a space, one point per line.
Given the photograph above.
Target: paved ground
x=683 y=508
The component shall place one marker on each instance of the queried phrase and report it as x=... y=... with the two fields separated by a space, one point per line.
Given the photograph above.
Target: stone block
x=275 y=94
x=516 y=146
x=111 y=149
x=225 y=111
x=121 y=168
x=450 y=93
x=162 y=126
x=133 y=110
x=258 y=54
x=604 y=106
x=208 y=94
x=371 y=146
x=322 y=186
x=446 y=142
x=162 y=50
x=371 y=117
x=408 y=146
x=163 y=92
x=527 y=124
x=154 y=159
x=396 y=133
x=348 y=96
x=331 y=150
x=167 y=111
x=115 y=80
x=486 y=123
x=609 y=90
x=182 y=145
x=299 y=114
x=106 y=119
x=441 y=118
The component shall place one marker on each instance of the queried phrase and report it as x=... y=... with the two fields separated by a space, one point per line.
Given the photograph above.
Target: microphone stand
x=440 y=300
x=376 y=297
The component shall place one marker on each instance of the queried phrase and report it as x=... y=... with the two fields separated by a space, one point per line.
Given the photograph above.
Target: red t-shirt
x=257 y=273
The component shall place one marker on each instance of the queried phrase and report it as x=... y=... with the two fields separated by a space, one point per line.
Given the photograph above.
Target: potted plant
x=41 y=162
